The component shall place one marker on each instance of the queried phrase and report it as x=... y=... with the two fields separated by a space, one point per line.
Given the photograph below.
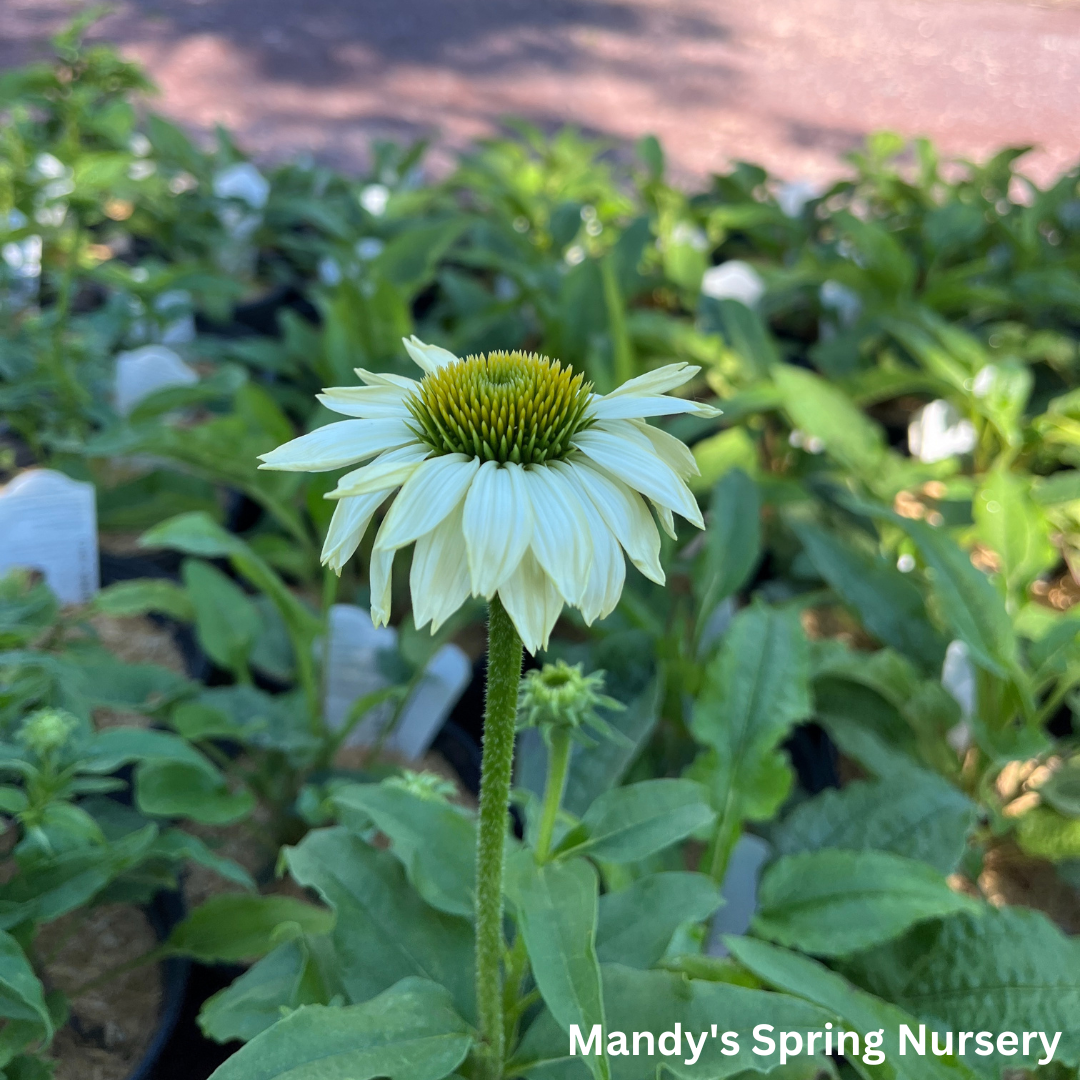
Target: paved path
x=790 y=83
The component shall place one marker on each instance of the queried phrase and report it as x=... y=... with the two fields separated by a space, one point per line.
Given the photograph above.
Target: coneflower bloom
x=515 y=479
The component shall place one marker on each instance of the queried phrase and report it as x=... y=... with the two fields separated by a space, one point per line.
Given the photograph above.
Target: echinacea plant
x=519 y=485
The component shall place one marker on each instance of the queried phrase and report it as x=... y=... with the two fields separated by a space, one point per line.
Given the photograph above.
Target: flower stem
x=503 y=679
x=558 y=766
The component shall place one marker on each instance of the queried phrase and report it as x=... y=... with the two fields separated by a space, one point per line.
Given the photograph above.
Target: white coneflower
x=515 y=480
x=520 y=485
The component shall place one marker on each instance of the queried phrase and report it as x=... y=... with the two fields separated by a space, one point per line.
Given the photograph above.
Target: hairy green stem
x=558 y=767
x=503 y=679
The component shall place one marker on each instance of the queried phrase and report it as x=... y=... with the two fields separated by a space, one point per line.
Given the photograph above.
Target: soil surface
x=110 y=1027
x=790 y=83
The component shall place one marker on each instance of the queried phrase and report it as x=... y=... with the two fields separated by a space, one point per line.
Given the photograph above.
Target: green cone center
x=502 y=407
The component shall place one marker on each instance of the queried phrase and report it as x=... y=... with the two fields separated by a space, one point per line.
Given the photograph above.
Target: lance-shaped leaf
x=887 y=601
x=556 y=907
x=856 y=1009
x=733 y=540
x=22 y=997
x=834 y=903
x=1005 y=970
x=636 y=821
x=917 y=815
x=657 y=1001
x=637 y=923
x=384 y=930
x=410 y=1032
x=435 y=841
x=755 y=690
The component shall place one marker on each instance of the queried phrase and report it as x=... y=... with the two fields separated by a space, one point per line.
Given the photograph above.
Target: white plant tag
x=141 y=372
x=444 y=681
x=739 y=891
x=352 y=671
x=48 y=522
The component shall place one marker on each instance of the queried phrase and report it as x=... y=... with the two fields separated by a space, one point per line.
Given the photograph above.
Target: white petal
x=642 y=470
x=532 y=602
x=386 y=378
x=607 y=569
x=624 y=512
x=560 y=537
x=439 y=579
x=667 y=520
x=347 y=528
x=379 y=577
x=369 y=402
x=428 y=496
x=334 y=445
x=498 y=525
x=674 y=451
x=634 y=406
x=428 y=357
x=659 y=381
x=387 y=471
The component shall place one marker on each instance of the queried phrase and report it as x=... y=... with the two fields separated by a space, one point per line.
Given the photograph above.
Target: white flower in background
x=733 y=280
x=958 y=679
x=143 y=371
x=371 y=247
x=845 y=303
x=329 y=271
x=374 y=198
x=937 y=432
x=244 y=182
x=140 y=145
x=515 y=480
x=793 y=196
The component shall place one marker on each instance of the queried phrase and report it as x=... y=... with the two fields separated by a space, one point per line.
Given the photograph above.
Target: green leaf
x=384 y=931
x=1062 y=790
x=1010 y=523
x=1008 y=969
x=969 y=603
x=410 y=1032
x=198 y=534
x=1046 y=834
x=177 y=844
x=637 y=923
x=634 y=822
x=755 y=690
x=655 y=1001
x=145 y=596
x=48 y=888
x=176 y=789
x=556 y=909
x=917 y=815
x=824 y=412
x=887 y=601
x=833 y=903
x=227 y=623
x=748 y=335
x=113 y=748
x=298 y=972
x=435 y=841
x=858 y=1010
x=239 y=926
x=733 y=540
x=22 y=997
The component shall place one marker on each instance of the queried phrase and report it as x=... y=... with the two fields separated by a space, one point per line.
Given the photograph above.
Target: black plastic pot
x=164 y=913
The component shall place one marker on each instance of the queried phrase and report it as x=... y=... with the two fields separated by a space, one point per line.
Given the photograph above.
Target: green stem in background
x=500 y=715
x=558 y=767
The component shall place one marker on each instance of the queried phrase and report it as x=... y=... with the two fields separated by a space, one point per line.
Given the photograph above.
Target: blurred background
x=791 y=84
